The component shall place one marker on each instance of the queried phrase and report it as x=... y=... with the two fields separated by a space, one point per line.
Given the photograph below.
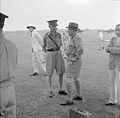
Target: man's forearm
x=115 y=50
x=79 y=53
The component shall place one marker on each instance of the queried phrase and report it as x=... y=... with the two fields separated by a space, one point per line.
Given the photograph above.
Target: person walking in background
x=8 y=63
x=114 y=66
x=52 y=43
x=100 y=36
x=65 y=40
x=37 y=51
x=74 y=62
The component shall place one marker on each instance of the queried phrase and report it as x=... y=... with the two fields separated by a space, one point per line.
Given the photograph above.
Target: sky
x=89 y=14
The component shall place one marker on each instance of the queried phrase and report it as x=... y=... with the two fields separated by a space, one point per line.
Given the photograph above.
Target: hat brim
x=31 y=27
x=73 y=28
x=53 y=25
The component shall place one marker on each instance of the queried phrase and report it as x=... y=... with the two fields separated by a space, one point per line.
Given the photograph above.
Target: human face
x=117 y=30
x=52 y=28
x=71 y=32
x=31 y=29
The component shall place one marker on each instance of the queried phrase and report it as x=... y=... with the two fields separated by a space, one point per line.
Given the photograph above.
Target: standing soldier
x=8 y=62
x=54 y=59
x=74 y=62
x=37 y=51
x=114 y=66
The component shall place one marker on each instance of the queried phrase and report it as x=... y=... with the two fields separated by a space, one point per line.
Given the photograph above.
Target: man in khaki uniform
x=74 y=53
x=8 y=62
x=114 y=66
x=54 y=59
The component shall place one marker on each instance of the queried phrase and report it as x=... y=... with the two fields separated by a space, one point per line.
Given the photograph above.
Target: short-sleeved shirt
x=54 y=59
x=74 y=47
x=48 y=43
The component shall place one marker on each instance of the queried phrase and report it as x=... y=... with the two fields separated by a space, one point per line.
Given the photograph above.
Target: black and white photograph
x=59 y=58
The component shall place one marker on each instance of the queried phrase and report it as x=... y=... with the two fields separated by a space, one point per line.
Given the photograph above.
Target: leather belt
x=53 y=49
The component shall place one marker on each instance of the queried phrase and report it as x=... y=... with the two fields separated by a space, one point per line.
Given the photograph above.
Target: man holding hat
x=54 y=60
x=37 y=51
x=74 y=62
x=8 y=62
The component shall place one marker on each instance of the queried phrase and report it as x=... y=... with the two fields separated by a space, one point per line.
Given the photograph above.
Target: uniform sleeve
x=110 y=45
x=15 y=53
x=14 y=50
x=78 y=43
x=44 y=43
x=60 y=40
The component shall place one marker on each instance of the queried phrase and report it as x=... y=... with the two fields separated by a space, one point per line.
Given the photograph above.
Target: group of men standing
x=47 y=53
x=54 y=60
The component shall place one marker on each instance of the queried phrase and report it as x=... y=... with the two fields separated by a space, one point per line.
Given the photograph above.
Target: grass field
x=32 y=100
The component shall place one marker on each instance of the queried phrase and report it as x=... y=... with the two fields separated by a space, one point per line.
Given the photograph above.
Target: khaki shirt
x=114 y=49
x=8 y=60
x=75 y=48
x=48 y=43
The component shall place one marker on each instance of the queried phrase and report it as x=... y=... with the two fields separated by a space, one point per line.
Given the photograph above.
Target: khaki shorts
x=73 y=70
x=54 y=61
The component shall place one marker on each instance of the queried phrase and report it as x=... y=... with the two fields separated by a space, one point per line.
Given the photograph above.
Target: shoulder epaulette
x=58 y=33
x=47 y=34
x=114 y=37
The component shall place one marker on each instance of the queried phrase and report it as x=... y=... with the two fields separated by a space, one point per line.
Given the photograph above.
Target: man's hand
x=74 y=59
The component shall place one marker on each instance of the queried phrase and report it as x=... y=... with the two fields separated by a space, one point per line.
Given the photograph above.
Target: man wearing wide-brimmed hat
x=8 y=62
x=74 y=62
x=54 y=60
x=37 y=51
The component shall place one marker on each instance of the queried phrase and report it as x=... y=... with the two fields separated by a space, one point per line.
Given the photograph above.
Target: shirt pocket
x=49 y=43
